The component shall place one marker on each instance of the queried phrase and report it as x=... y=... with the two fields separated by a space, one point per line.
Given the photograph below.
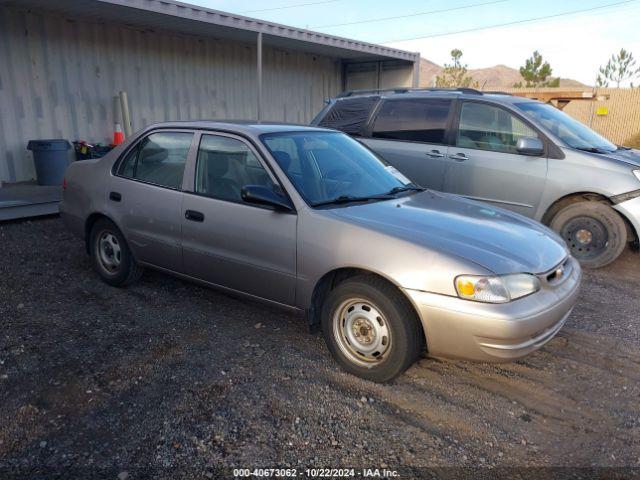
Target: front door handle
x=435 y=154
x=459 y=157
x=115 y=196
x=194 y=216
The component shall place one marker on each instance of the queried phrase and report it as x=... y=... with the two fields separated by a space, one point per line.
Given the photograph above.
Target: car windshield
x=331 y=168
x=570 y=131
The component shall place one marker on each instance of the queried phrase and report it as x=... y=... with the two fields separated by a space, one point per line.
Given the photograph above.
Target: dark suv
x=509 y=151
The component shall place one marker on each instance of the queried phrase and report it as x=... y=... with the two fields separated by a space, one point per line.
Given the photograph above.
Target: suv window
x=225 y=165
x=350 y=115
x=416 y=120
x=486 y=127
x=159 y=159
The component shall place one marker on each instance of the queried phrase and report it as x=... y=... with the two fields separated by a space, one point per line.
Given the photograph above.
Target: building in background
x=62 y=62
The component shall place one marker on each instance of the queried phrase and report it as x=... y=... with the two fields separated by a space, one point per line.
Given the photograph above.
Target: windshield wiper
x=590 y=149
x=601 y=151
x=405 y=188
x=351 y=199
x=385 y=196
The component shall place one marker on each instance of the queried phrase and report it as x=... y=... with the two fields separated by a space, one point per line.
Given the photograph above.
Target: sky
x=575 y=45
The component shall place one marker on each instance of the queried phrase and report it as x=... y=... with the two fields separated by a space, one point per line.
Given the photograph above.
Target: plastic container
x=51 y=160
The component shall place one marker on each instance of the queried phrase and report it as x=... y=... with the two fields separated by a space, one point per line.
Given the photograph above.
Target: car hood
x=632 y=157
x=499 y=241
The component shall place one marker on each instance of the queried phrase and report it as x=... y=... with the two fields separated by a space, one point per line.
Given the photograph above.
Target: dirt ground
x=173 y=380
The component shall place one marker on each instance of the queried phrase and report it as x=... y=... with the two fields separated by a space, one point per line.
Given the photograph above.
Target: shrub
x=633 y=142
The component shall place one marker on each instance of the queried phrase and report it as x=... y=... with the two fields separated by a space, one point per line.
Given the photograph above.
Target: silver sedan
x=311 y=220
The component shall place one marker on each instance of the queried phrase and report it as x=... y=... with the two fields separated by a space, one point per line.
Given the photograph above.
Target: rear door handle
x=435 y=154
x=459 y=157
x=194 y=216
x=115 y=196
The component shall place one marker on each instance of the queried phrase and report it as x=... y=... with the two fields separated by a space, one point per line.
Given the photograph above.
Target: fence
x=617 y=118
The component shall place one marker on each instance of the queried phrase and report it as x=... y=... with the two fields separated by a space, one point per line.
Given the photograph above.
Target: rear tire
x=111 y=256
x=594 y=232
x=371 y=329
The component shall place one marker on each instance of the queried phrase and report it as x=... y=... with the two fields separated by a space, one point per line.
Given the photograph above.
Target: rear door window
x=159 y=159
x=350 y=115
x=414 y=120
x=128 y=165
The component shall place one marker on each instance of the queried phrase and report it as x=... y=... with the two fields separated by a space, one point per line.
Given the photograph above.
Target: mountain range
x=491 y=78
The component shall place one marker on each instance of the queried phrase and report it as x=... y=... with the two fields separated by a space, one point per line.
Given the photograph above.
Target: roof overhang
x=170 y=15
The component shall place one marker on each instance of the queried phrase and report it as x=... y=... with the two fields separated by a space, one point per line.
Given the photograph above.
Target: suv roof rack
x=380 y=91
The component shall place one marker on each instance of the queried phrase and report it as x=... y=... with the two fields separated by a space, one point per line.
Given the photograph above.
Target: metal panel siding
x=58 y=79
x=368 y=75
x=192 y=19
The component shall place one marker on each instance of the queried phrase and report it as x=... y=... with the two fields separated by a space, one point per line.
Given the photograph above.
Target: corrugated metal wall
x=622 y=122
x=370 y=75
x=58 y=78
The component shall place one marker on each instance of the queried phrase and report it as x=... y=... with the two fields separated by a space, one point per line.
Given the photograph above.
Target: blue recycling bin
x=51 y=160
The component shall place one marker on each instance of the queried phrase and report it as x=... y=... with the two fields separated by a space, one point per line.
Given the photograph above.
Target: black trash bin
x=50 y=158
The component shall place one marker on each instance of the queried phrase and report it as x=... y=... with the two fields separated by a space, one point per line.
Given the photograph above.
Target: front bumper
x=631 y=211
x=457 y=328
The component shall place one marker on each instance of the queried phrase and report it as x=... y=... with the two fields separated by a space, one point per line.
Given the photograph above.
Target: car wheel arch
x=88 y=225
x=333 y=278
x=569 y=199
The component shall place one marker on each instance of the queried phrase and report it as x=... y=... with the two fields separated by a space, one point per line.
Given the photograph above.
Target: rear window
x=350 y=115
x=415 y=120
x=159 y=159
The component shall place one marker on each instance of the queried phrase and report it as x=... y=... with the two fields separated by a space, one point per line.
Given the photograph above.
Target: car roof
x=465 y=93
x=247 y=127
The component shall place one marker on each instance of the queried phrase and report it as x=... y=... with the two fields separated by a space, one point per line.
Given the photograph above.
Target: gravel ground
x=171 y=379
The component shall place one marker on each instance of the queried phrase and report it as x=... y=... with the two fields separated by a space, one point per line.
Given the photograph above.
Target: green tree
x=455 y=74
x=537 y=73
x=619 y=68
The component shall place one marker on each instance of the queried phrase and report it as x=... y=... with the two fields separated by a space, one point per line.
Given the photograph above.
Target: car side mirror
x=530 y=146
x=261 y=195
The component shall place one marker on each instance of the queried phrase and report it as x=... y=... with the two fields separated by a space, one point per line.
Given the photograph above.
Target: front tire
x=371 y=329
x=111 y=256
x=594 y=232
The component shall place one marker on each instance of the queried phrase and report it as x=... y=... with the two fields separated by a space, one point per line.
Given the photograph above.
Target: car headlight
x=496 y=289
x=637 y=174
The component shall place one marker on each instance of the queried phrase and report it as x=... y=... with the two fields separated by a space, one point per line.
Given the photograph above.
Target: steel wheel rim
x=362 y=332
x=587 y=237
x=109 y=252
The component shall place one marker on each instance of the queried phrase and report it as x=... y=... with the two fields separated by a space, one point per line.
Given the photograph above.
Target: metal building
x=63 y=61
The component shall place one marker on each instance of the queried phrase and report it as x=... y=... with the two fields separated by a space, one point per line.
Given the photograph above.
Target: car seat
x=218 y=185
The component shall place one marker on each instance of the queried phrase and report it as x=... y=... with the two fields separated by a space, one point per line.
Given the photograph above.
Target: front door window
x=225 y=165
x=485 y=127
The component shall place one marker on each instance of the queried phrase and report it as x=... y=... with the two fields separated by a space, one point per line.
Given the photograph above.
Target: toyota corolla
x=311 y=220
